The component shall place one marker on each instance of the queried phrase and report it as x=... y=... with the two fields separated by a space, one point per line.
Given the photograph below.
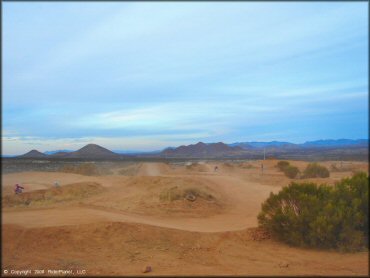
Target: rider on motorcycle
x=18 y=189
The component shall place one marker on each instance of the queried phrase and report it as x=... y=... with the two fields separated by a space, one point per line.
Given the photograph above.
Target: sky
x=145 y=76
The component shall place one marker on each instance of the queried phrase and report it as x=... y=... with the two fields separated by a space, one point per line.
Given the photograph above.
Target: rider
x=18 y=189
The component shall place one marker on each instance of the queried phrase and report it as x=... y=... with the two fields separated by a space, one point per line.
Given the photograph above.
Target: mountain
x=60 y=154
x=89 y=151
x=341 y=149
x=135 y=152
x=33 y=154
x=257 y=145
x=329 y=143
x=201 y=150
x=57 y=151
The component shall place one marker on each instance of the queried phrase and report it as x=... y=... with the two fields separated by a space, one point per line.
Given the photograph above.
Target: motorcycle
x=18 y=190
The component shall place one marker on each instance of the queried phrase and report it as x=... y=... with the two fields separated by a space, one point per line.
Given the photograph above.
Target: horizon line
x=162 y=149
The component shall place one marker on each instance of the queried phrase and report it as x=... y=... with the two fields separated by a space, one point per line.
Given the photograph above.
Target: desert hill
x=202 y=150
x=341 y=149
x=90 y=151
x=59 y=154
x=328 y=144
x=33 y=154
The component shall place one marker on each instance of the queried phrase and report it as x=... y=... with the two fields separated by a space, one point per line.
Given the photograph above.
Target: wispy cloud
x=222 y=71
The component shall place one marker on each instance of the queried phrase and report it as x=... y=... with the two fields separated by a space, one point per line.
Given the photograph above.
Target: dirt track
x=245 y=198
x=222 y=222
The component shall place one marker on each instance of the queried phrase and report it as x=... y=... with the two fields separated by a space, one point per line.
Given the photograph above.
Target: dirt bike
x=18 y=190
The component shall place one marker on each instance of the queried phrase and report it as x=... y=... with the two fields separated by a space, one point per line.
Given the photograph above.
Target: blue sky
x=144 y=76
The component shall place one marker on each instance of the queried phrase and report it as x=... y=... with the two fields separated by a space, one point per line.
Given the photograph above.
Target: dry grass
x=44 y=197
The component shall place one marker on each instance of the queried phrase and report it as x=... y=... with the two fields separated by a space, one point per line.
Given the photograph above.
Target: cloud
x=176 y=71
x=20 y=145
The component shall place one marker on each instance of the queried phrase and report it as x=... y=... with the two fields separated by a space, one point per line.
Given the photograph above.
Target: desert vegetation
x=282 y=164
x=314 y=170
x=289 y=170
x=190 y=194
x=321 y=216
x=44 y=197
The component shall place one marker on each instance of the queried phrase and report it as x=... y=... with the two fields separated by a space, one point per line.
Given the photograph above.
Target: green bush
x=291 y=171
x=281 y=165
x=314 y=170
x=320 y=216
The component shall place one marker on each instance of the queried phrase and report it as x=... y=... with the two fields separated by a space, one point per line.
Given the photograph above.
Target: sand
x=130 y=223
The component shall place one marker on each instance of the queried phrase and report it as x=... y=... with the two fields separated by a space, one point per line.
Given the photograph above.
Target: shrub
x=291 y=171
x=314 y=170
x=176 y=193
x=281 y=165
x=320 y=216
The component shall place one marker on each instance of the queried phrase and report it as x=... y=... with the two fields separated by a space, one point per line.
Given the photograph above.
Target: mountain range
x=253 y=150
x=329 y=143
x=202 y=150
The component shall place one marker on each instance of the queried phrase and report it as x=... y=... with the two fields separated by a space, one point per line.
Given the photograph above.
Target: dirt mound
x=190 y=199
x=116 y=249
x=164 y=196
x=185 y=193
x=246 y=166
x=129 y=170
x=87 y=169
x=153 y=169
x=75 y=191
x=258 y=234
x=197 y=167
x=228 y=166
x=109 y=248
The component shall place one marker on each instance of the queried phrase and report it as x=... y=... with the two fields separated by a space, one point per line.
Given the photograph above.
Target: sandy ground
x=131 y=223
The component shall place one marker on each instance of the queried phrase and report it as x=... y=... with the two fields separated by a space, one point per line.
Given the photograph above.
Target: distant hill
x=33 y=154
x=59 y=154
x=330 y=143
x=337 y=143
x=130 y=152
x=251 y=145
x=57 y=151
x=341 y=149
x=89 y=151
x=202 y=150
